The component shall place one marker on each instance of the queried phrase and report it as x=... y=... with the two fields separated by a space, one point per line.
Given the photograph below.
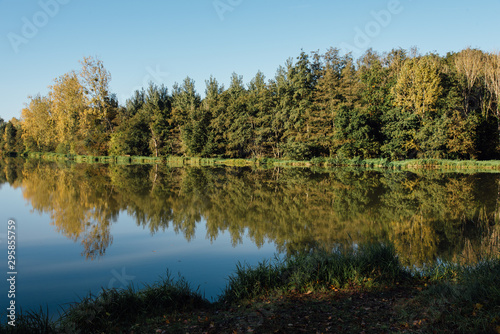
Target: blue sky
x=164 y=41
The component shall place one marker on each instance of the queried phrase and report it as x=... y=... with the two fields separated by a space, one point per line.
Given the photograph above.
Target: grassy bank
x=345 y=290
x=269 y=162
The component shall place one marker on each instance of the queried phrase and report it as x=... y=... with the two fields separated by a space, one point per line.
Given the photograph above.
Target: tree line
x=396 y=105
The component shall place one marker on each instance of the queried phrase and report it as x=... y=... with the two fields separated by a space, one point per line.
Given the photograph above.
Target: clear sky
x=164 y=40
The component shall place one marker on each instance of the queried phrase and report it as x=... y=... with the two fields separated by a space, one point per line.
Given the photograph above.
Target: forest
x=395 y=105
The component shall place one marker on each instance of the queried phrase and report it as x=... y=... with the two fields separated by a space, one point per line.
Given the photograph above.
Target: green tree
x=239 y=132
x=210 y=108
x=327 y=99
x=354 y=135
x=281 y=93
x=259 y=106
x=303 y=77
x=375 y=86
x=9 y=137
x=157 y=109
x=131 y=137
x=351 y=131
x=400 y=130
x=185 y=101
x=3 y=124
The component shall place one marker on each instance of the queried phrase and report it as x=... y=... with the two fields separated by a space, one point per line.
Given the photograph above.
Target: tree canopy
x=396 y=105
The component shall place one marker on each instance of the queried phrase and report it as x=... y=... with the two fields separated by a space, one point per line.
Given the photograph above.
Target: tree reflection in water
x=425 y=214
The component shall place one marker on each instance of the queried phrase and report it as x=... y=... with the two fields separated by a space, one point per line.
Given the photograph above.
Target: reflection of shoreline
x=444 y=165
x=426 y=216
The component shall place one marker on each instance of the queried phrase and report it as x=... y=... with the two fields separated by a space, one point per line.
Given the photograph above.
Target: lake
x=81 y=227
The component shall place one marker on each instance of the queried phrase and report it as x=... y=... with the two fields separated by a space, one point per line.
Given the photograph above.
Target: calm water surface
x=82 y=227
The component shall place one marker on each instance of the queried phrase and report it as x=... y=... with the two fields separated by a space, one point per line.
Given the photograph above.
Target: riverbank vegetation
x=411 y=164
x=397 y=105
x=343 y=290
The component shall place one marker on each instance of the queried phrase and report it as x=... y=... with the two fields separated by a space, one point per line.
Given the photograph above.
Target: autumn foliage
x=396 y=105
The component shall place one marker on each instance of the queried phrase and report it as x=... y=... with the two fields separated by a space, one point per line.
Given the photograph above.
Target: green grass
x=33 y=322
x=367 y=266
x=457 y=298
x=114 y=308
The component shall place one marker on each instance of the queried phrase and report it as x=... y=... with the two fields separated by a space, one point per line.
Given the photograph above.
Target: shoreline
x=341 y=291
x=174 y=161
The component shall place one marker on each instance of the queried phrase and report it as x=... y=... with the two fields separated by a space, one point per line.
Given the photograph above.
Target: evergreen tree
x=185 y=102
x=302 y=77
x=327 y=98
x=212 y=110
x=281 y=93
x=400 y=130
x=260 y=105
x=239 y=133
x=157 y=111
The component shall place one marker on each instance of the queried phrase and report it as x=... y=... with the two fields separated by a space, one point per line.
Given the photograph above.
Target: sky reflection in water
x=97 y=226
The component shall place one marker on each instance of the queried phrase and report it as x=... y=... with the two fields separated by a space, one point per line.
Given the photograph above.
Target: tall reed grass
x=455 y=291
x=363 y=266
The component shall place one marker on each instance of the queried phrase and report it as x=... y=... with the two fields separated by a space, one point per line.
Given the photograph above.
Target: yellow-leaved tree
x=492 y=73
x=68 y=104
x=96 y=122
x=470 y=67
x=38 y=124
x=77 y=116
x=418 y=86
